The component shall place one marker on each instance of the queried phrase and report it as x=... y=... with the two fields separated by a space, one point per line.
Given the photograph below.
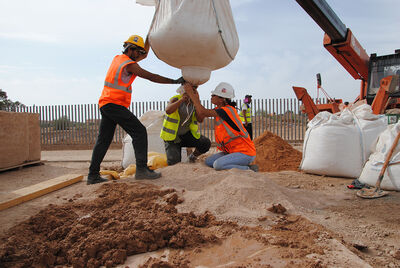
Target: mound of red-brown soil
x=275 y=154
x=124 y=220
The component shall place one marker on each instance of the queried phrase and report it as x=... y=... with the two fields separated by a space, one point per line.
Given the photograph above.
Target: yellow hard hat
x=136 y=40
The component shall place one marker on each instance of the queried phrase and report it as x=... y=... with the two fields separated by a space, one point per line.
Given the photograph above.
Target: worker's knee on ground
x=208 y=162
x=217 y=165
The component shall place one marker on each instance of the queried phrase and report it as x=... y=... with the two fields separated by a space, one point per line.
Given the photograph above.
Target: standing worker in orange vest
x=114 y=102
x=233 y=140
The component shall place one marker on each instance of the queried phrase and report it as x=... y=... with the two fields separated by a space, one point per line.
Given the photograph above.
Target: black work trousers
x=249 y=129
x=113 y=114
x=173 y=150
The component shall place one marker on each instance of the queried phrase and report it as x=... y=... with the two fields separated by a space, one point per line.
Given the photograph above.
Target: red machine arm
x=339 y=41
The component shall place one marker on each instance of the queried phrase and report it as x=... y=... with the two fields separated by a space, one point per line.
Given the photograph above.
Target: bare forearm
x=202 y=112
x=173 y=106
x=135 y=69
x=159 y=79
x=199 y=111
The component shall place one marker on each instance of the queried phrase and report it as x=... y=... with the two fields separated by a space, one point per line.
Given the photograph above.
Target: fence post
x=280 y=116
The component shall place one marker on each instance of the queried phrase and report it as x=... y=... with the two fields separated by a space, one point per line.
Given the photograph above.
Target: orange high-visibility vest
x=115 y=90
x=230 y=140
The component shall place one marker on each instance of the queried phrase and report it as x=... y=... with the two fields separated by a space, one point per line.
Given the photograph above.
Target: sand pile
x=275 y=154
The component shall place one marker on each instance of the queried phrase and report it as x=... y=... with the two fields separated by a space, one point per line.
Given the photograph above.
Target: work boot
x=254 y=168
x=145 y=173
x=93 y=179
x=192 y=158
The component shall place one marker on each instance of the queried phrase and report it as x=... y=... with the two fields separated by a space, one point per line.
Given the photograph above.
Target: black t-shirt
x=224 y=116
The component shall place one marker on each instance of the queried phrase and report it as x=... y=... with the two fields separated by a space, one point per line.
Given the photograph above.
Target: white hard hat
x=224 y=90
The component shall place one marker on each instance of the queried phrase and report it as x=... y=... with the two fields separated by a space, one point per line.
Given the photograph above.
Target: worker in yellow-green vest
x=245 y=115
x=180 y=129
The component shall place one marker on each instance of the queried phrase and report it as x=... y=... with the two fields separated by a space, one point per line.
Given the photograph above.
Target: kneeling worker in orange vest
x=114 y=102
x=237 y=149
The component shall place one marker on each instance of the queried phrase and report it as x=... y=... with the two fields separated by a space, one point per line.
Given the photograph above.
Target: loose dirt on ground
x=194 y=216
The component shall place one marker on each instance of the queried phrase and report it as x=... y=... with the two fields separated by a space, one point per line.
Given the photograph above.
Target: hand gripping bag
x=196 y=36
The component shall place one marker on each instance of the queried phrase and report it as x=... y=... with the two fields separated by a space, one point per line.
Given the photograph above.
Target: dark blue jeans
x=113 y=114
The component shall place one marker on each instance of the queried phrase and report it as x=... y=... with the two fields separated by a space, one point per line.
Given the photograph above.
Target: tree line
x=6 y=104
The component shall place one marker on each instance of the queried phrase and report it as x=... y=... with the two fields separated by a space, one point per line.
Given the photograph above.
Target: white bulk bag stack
x=196 y=36
x=340 y=144
x=371 y=170
x=153 y=121
x=370 y=125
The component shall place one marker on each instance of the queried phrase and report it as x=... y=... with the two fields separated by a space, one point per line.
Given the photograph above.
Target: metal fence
x=79 y=124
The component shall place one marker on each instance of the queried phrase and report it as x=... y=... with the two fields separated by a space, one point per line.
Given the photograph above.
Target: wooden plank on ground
x=42 y=188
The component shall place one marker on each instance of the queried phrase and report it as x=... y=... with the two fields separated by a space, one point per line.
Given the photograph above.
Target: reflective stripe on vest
x=229 y=131
x=171 y=125
x=115 y=83
x=175 y=122
x=172 y=120
x=116 y=90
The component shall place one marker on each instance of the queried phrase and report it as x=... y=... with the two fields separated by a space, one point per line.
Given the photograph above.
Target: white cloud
x=82 y=21
x=44 y=89
x=28 y=36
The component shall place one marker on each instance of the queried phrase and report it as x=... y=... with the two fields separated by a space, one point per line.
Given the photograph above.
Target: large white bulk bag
x=153 y=121
x=371 y=126
x=196 y=36
x=371 y=170
x=340 y=144
x=147 y=2
x=332 y=147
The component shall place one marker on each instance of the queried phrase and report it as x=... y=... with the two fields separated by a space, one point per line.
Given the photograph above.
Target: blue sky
x=58 y=51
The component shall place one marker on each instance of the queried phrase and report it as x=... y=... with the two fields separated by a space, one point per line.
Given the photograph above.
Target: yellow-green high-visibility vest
x=171 y=125
x=248 y=113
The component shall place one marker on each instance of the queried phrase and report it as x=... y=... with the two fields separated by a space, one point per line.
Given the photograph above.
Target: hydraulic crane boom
x=326 y=18
x=339 y=41
x=379 y=75
x=343 y=46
